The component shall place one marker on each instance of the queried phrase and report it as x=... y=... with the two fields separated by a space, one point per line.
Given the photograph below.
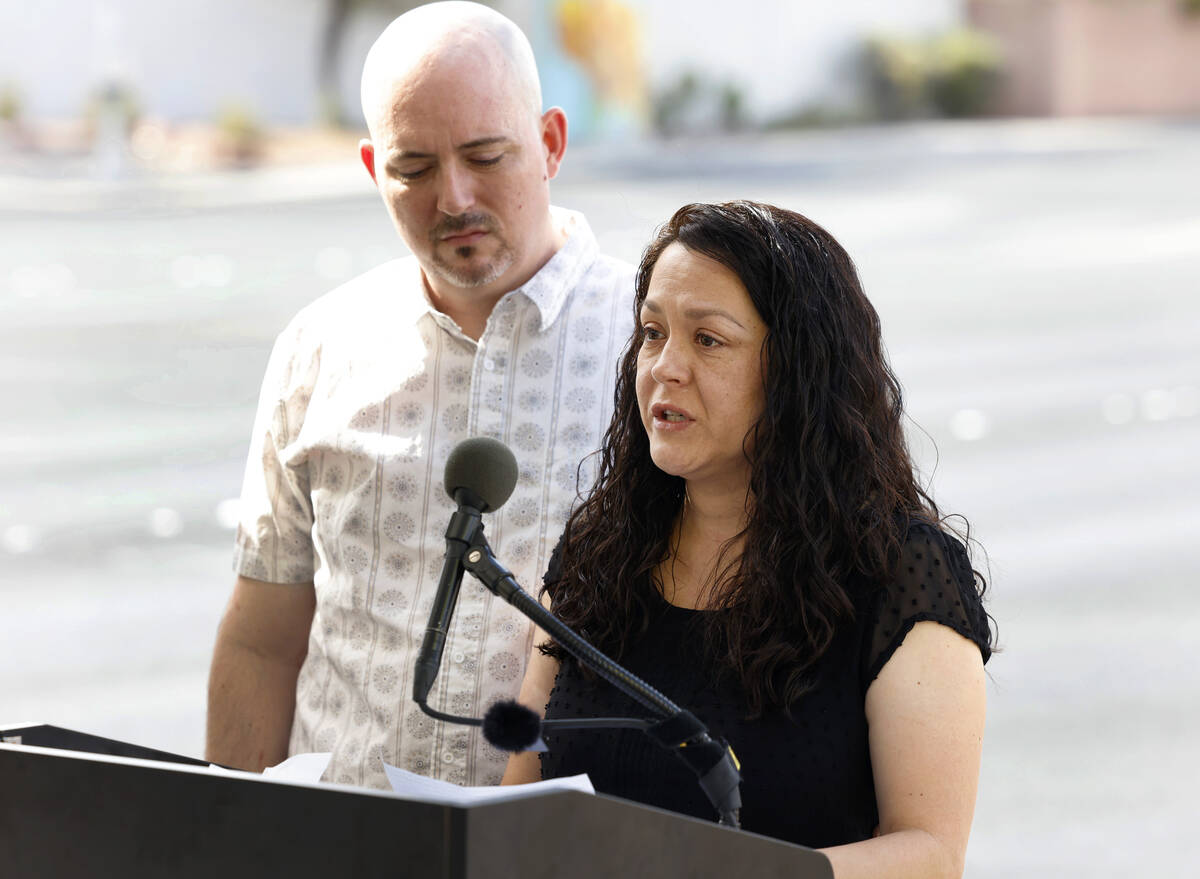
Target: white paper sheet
x=308 y=769
x=430 y=790
x=304 y=768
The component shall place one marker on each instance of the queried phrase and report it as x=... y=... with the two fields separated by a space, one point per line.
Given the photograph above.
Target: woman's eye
x=650 y=334
x=706 y=341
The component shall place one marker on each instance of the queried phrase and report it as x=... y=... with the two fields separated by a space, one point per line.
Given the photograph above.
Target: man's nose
x=456 y=191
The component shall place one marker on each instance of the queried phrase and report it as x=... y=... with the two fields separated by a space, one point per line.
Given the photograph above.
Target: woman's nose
x=671 y=364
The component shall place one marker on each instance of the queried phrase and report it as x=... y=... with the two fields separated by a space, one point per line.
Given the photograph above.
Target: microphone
x=481 y=472
x=510 y=726
x=480 y=475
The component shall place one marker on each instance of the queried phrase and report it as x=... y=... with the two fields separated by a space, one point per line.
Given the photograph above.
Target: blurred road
x=1038 y=284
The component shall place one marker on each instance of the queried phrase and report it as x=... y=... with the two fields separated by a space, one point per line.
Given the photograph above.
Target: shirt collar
x=553 y=283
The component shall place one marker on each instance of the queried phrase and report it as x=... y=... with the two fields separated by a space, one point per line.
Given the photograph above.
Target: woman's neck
x=712 y=515
x=709 y=523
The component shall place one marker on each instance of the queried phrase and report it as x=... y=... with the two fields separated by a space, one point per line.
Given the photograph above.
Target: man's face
x=463 y=165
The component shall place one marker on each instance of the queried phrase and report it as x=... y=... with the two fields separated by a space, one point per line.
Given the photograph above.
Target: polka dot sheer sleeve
x=933 y=581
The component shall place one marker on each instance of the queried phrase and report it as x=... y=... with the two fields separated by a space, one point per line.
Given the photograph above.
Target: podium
x=78 y=805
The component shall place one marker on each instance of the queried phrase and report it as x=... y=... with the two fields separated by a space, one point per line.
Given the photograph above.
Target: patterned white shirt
x=366 y=392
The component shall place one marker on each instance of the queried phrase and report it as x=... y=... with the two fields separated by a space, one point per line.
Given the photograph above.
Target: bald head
x=440 y=34
x=462 y=153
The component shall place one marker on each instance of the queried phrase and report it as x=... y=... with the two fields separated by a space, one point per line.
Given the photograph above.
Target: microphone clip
x=711 y=759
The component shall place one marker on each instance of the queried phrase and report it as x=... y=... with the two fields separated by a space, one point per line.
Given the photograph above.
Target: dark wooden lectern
x=66 y=813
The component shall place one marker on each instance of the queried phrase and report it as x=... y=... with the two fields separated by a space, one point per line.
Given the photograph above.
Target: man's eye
x=408 y=176
x=486 y=160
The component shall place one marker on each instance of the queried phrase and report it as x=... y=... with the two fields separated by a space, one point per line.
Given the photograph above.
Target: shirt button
x=489 y=364
x=447 y=756
x=459 y=657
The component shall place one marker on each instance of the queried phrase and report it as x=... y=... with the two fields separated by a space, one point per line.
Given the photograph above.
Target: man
x=505 y=321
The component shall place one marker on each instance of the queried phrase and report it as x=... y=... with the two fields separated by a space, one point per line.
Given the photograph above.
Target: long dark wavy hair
x=832 y=488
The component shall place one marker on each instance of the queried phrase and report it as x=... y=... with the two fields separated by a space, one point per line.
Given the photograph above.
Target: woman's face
x=699 y=370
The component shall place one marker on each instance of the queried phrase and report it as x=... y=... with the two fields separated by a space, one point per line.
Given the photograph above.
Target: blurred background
x=1018 y=180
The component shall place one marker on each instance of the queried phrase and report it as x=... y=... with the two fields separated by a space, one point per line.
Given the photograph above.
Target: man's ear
x=366 y=151
x=554 y=139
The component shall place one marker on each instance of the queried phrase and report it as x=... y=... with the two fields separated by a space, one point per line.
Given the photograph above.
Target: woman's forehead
x=696 y=286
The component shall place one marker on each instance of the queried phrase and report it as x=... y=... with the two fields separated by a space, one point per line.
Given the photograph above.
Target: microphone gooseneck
x=480 y=475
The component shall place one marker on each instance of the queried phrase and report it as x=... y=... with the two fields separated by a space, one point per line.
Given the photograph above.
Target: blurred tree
x=115 y=102
x=337 y=18
x=951 y=74
x=963 y=68
x=673 y=104
x=10 y=103
x=894 y=70
x=695 y=104
x=239 y=135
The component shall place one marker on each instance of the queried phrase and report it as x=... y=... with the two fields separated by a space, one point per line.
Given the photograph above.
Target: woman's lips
x=669 y=417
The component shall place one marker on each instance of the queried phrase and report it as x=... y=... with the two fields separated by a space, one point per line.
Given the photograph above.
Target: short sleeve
x=933 y=581
x=274 y=534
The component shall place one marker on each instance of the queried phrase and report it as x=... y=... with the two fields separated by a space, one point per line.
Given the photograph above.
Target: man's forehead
x=438 y=118
x=400 y=150
x=467 y=101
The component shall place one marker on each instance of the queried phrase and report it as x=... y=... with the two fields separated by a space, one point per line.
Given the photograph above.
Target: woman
x=758 y=549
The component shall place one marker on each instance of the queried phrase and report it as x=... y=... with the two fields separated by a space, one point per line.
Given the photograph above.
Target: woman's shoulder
x=933 y=545
x=926 y=553
x=932 y=579
x=934 y=574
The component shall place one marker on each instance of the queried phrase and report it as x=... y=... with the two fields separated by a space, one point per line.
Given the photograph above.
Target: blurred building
x=606 y=61
x=1087 y=57
x=181 y=60
x=617 y=66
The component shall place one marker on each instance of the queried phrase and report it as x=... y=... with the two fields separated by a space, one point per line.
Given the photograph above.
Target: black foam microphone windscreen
x=483 y=466
x=510 y=726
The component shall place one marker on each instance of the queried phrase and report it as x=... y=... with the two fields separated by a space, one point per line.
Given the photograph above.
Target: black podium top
x=67 y=813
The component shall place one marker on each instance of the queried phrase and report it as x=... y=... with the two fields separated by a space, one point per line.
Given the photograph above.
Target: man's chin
x=473 y=271
x=466 y=279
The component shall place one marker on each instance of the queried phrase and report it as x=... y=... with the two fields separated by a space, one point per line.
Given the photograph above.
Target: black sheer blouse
x=805 y=779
